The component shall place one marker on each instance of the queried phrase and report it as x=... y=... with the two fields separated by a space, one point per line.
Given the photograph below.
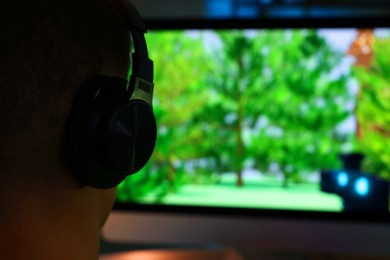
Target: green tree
x=274 y=94
x=303 y=106
x=373 y=110
x=236 y=63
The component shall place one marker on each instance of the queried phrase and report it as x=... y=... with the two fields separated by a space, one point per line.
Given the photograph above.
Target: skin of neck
x=64 y=224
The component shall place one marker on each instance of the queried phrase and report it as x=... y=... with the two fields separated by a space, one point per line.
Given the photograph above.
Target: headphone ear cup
x=77 y=121
x=131 y=137
x=109 y=136
x=83 y=145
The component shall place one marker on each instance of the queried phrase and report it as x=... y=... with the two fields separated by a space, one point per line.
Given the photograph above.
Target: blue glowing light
x=342 y=179
x=219 y=8
x=362 y=186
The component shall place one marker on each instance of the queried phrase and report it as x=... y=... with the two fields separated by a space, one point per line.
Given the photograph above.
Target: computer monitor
x=255 y=120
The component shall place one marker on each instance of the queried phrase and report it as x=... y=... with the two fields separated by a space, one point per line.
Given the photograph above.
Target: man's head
x=48 y=49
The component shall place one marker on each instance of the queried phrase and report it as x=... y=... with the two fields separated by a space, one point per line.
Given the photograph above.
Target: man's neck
x=32 y=228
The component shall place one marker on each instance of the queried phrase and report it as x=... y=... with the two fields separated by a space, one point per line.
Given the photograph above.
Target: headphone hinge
x=143 y=90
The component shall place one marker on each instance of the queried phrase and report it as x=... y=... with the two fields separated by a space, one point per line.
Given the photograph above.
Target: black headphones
x=112 y=129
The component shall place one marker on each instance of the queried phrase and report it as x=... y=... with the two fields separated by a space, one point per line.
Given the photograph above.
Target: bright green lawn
x=256 y=193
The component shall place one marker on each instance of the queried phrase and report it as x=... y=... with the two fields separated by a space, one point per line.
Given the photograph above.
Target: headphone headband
x=129 y=14
x=142 y=66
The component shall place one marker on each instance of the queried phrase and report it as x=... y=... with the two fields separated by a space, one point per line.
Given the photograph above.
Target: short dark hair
x=48 y=48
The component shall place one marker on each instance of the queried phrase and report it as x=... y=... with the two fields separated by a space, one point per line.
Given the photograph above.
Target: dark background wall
x=171 y=9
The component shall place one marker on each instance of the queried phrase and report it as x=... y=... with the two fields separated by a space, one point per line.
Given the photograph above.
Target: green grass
x=265 y=192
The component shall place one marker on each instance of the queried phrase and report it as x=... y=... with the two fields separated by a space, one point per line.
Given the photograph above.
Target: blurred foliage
x=276 y=104
x=373 y=110
x=229 y=101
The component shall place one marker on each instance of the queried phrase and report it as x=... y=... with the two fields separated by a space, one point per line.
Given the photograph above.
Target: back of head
x=48 y=49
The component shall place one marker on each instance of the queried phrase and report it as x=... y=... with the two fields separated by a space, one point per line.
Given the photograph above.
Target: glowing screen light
x=362 y=186
x=342 y=179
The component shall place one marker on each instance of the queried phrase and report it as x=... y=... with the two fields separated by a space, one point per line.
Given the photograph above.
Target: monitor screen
x=268 y=121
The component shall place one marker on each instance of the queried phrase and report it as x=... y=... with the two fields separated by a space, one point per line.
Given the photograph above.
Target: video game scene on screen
x=295 y=119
